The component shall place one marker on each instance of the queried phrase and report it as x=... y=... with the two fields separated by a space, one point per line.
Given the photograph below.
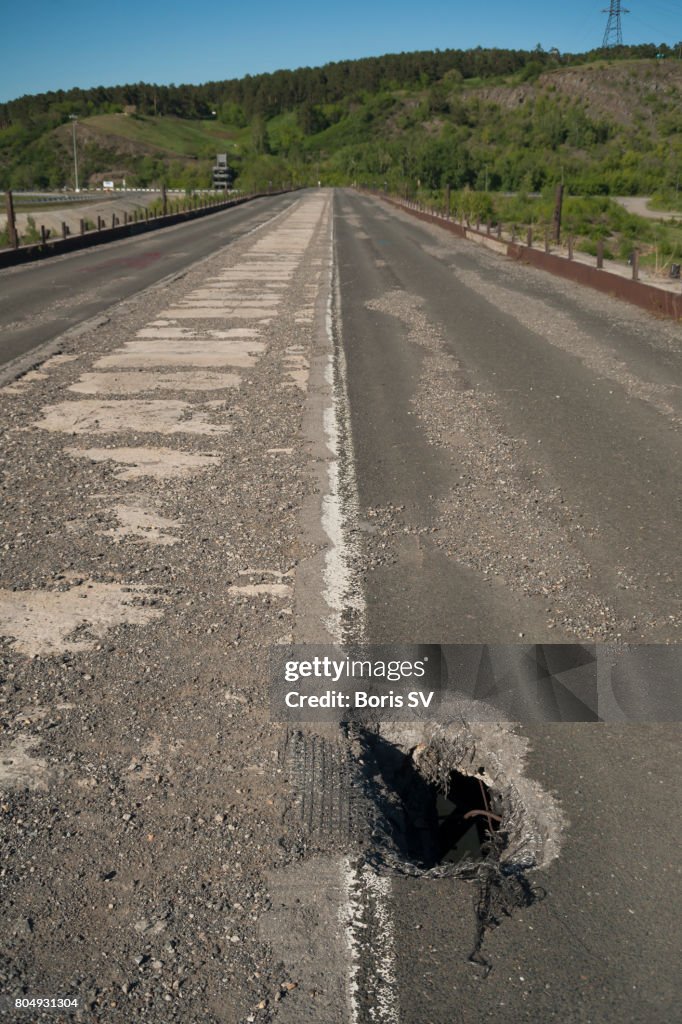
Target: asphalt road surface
x=338 y=425
x=40 y=301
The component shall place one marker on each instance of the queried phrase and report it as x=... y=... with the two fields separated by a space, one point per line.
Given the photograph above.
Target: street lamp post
x=74 y=122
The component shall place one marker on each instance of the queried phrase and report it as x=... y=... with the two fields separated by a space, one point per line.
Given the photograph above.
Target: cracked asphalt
x=313 y=419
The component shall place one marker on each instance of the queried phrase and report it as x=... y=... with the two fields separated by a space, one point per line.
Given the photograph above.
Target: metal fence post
x=556 y=218
x=11 y=222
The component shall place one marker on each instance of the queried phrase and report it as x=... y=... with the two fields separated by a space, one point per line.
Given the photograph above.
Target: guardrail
x=647 y=296
x=113 y=228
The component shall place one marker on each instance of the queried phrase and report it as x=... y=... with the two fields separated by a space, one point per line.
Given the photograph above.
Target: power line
x=613 y=34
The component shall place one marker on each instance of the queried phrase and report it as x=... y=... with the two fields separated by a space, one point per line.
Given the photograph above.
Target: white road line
x=368 y=931
x=339 y=505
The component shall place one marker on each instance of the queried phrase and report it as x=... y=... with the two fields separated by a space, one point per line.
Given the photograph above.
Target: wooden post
x=43 y=234
x=570 y=247
x=600 y=254
x=556 y=219
x=164 y=200
x=487 y=227
x=125 y=216
x=529 y=238
x=499 y=229
x=546 y=239
x=11 y=222
x=100 y=222
x=447 y=201
x=82 y=226
x=146 y=213
x=113 y=220
x=635 y=264
x=65 y=229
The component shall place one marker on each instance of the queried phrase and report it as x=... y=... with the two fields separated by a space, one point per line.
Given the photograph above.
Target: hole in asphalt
x=454 y=821
x=437 y=821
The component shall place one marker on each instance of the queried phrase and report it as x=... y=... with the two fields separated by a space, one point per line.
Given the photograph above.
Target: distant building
x=223 y=175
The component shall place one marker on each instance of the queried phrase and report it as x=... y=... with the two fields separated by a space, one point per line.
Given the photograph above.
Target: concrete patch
x=297 y=367
x=52 y=621
x=18 y=386
x=153 y=354
x=256 y=589
x=155 y=416
x=160 y=463
x=187 y=334
x=40 y=373
x=133 y=383
x=220 y=293
x=304 y=927
x=20 y=770
x=137 y=522
x=216 y=313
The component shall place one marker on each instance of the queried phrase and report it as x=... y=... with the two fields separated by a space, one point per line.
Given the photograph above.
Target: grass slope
x=168 y=134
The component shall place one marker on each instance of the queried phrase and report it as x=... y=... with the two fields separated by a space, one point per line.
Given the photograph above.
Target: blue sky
x=57 y=44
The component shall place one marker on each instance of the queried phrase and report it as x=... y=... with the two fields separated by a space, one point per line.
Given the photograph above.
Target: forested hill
x=505 y=119
x=272 y=93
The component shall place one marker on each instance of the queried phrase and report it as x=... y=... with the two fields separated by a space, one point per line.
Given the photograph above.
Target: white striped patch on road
x=159 y=463
x=162 y=416
x=132 y=382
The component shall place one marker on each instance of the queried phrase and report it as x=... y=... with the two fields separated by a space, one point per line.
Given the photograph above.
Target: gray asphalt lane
x=600 y=942
x=588 y=407
x=442 y=339
x=40 y=300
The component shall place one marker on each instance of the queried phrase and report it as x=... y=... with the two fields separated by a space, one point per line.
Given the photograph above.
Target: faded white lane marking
x=340 y=592
x=43 y=621
x=366 y=909
x=160 y=463
x=150 y=380
x=90 y=416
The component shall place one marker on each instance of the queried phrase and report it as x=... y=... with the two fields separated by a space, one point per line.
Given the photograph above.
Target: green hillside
x=488 y=120
x=171 y=135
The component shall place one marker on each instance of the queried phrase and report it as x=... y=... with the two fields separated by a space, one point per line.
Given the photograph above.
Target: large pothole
x=430 y=802
x=430 y=822
x=426 y=800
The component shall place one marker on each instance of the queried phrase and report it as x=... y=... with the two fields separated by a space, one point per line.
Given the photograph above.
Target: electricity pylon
x=613 y=34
